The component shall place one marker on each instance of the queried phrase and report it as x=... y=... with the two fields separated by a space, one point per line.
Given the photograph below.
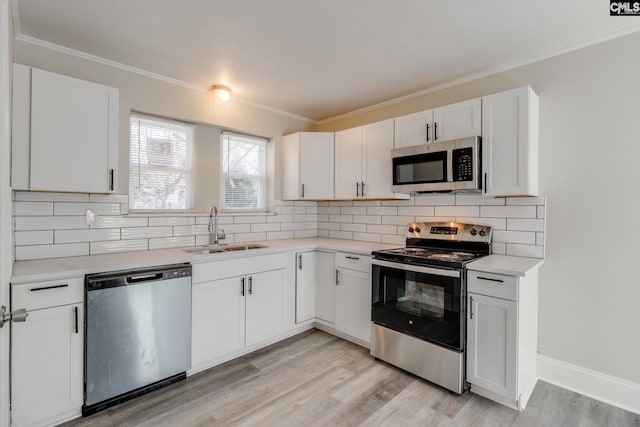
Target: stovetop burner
x=445 y=244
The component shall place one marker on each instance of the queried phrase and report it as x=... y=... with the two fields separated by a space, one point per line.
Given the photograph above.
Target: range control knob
x=473 y=232
x=414 y=228
x=411 y=229
x=418 y=229
x=483 y=232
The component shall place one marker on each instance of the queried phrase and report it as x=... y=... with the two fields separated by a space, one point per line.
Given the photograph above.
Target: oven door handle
x=416 y=268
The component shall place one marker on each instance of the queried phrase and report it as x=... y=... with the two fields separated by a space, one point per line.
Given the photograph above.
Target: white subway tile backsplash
x=434 y=199
x=541 y=211
x=119 y=246
x=303 y=218
x=290 y=226
x=525 y=224
x=145 y=232
x=109 y=198
x=250 y=219
x=307 y=203
x=382 y=229
x=280 y=218
x=360 y=228
x=171 y=242
x=51 y=251
x=457 y=211
x=532 y=251
x=397 y=220
x=416 y=210
x=540 y=239
x=24 y=238
x=323 y=233
x=366 y=219
x=33 y=208
x=341 y=203
x=236 y=228
x=29 y=223
x=329 y=210
x=190 y=230
x=340 y=218
x=435 y=219
x=272 y=226
x=508 y=211
x=67 y=208
x=367 y=237
x=392 y=240
x=499 y=248
x=523 y=237
x=92 y=235
x=525 y=201
x=120 y=221
x=367 y=203
x=304 y=234
x=345 y=235
x=478 y=200
x=408 y=202
x=279 y=235
x=382 y=210
x=249 y=237
x=328 y=226
x=204 y=219
x=174 y=220
x=28 y=196
x=354 y=210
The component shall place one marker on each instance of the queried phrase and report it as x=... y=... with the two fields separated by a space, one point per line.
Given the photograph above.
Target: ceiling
x=323 y=58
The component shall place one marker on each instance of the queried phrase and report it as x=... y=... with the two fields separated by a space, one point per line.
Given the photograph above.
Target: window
x=244 y=173
x=161 y=166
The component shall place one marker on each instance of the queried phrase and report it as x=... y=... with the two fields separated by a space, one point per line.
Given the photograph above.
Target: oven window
x=426 y=306
x=421 y=168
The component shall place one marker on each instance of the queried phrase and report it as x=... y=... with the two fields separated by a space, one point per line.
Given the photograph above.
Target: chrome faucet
x=214 y=234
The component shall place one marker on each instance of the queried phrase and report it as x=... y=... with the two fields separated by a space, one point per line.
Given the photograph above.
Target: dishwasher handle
x=144 y=278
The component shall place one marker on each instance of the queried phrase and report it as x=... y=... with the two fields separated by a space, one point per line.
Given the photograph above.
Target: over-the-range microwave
x=438 y=167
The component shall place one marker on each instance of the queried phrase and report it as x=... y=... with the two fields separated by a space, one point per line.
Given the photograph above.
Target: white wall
x=589 y=149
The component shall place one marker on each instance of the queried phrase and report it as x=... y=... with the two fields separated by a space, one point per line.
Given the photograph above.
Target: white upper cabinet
x=458 y=120
x=454 y=121
x=510 y=143
x=65 y=133
x=308 y=166
x=363 y=162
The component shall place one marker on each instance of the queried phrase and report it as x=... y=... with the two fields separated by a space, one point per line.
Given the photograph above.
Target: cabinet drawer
x=353 y=262
x=493 y=285
x=37 y=295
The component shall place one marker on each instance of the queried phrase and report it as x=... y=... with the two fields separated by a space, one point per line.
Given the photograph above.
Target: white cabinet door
x=377 y=143
x=74 y=134
x=325 y=286
x=317 y=165
x=510 y=143
x=353 y=304
x=348 y=165
x=265 y=305
x=491 y=344
x=305 y=286
x=458 y=120
x=413 y=129
x=47 y=365
x=218 y=316
x=307 y=166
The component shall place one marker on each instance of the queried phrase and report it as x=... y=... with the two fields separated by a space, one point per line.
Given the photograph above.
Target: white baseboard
x=605 y=388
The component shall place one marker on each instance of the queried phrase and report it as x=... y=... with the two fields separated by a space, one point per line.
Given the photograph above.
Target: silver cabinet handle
x=299 y=261
x=337 y=277
x=470 y=308
x=362 y=189
x=242 y=287
x=75 y=318
x=250 y=285
x=19 y=315
x=435 y=131
x=485 y=183
x=352 y=257
x=490 y=279
x=303 y=191
x=111 y=179
x=357 y=189
x=427 y=132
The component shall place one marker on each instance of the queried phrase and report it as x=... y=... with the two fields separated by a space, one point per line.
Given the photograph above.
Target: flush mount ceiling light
x=221 y=92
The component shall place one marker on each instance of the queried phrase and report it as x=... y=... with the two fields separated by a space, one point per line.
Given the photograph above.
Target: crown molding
x=486 y=73
x=98 y=59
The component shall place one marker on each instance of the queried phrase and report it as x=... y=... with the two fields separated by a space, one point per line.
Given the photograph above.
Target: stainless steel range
x=418 y=300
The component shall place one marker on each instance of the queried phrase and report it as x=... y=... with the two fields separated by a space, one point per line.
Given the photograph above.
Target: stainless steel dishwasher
x=137 y=334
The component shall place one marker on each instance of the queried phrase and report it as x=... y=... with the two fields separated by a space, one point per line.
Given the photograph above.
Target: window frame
x=191 y=172
x=263 y=178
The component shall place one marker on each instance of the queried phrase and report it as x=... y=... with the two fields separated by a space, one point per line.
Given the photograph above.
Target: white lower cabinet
x=231 y=313
x=305 y=286
x=47 y=353
x=325 y=286
x=502 y=336
x=353 y=296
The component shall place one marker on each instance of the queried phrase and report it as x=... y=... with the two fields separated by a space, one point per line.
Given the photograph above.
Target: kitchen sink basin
x=220 y=249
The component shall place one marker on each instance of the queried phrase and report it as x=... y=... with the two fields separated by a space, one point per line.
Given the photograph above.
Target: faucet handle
x=221 y=234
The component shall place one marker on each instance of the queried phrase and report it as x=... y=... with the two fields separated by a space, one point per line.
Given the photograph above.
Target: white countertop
x=503 y=264
x=59 y=268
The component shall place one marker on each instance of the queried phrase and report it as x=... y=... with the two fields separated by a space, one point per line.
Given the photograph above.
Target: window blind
x=161 y=164
x=244 y=172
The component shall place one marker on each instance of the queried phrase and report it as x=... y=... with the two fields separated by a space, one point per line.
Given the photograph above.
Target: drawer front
x=353 y=262
x=37 y=295
x=493 y=285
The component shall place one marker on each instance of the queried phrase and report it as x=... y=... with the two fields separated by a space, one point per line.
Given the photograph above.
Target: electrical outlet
x=90 y=217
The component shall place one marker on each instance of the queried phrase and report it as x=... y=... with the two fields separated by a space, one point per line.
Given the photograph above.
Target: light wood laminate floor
x=316 y=379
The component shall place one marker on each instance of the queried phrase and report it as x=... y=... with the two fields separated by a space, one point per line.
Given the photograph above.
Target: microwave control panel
x=463 y=164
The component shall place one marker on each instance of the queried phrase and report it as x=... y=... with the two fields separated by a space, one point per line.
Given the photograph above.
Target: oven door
x=425 y=302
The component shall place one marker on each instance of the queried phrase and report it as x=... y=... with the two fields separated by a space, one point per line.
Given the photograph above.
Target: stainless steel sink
x=220 y=249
